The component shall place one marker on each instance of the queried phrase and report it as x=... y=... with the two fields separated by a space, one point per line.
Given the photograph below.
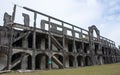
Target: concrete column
x=24 y=64
x=3 y=61
x=64 y=61
x=67 y=62
x=43 y=62
x=26 y=19
x=101 y=60
x=33 y=61
x=76 y=62
x=49 y=61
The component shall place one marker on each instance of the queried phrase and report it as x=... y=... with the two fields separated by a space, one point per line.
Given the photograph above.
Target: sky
x=105 y=14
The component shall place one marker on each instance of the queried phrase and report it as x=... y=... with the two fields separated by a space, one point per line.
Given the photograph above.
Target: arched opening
x=16 y=61
x=80 y=60
x=94 y=35
x=71 y=61
x=41 y=61
x=21 y=60
x=57 y=61
x=94 y=32
x=88 y=61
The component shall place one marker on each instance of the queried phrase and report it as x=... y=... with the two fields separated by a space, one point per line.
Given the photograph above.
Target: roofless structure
x=44 y=44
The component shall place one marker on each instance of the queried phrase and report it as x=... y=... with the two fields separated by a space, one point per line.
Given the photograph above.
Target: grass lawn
x=109 y=69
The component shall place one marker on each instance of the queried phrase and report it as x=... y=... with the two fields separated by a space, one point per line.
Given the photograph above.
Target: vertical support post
x=82 y=42
x=91 y=45
x=49 y=45
x=74 y=47
x=83 y=61
x=73 y=33
x=34 y=42
x=76 y=62
x=43 y=62
x=10 y=40
x=13 y=14
x=49 y=36
x=63 y=43
x=91 y=41
x=24 y=61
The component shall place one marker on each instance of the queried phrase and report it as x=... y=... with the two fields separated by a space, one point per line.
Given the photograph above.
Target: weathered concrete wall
x=41 y=48
x=3 y=61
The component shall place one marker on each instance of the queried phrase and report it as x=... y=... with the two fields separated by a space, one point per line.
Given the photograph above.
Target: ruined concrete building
x=49 y=45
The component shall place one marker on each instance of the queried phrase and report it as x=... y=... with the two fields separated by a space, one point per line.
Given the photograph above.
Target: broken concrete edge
x=5 y=71
x=24 y=71
x=19 y=71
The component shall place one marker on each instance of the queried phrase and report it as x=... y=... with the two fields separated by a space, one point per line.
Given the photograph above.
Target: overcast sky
x=105 y=14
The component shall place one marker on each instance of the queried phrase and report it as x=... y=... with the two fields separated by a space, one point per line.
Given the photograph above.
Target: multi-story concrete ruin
x=49 y=45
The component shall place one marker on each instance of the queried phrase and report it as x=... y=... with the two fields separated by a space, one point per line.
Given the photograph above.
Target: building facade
x=51 y=45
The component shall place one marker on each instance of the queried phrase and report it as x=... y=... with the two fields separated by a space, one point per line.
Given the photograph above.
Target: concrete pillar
x=64 y=61
x=33 y=61
x=7 y=18
x=101 y=60
x=43 y=62
x=24 y=64
x=76 y=62
x=49 y=63
x=67 y=62
x=26 y=19
x=3 y=61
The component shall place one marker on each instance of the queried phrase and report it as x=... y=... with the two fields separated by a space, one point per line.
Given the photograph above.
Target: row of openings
x=107 y=51
x=41 y=61
x=80 y=47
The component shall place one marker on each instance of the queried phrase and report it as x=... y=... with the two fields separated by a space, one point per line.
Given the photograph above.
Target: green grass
x=110 y=69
